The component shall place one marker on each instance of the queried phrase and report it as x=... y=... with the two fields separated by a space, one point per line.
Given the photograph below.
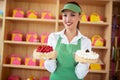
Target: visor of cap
x=71 y=7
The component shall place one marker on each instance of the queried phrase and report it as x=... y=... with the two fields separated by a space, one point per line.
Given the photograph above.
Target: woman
x=66 y=43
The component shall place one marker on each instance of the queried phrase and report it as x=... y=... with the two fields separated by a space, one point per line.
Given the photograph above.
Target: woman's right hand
x=54 y=56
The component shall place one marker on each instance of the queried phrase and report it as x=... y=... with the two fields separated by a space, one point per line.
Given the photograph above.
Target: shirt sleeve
x=52 y=40
x=81 y=69
x=50 y=65
x=86 y=44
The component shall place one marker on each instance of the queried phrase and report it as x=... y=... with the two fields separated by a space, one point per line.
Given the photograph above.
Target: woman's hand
x=77 y=59
x=54 y=56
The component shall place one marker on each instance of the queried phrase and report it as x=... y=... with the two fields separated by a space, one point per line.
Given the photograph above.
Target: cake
x=86 y=56
x=44 y=52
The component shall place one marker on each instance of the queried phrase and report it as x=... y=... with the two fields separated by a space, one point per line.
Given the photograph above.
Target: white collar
x=78 y=36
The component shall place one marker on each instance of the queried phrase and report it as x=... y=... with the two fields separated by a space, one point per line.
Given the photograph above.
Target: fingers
x=54 y=55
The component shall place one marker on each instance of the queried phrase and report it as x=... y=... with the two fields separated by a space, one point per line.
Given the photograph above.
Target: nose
x=68 y=19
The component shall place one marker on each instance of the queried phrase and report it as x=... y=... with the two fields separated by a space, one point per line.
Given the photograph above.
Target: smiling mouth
x=68 y=24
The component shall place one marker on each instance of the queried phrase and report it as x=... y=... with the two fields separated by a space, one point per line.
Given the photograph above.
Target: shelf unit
x=1 y=36
x=0 y=42
x=115 y=40
x=116 y=12
x=1 y=20
x=104 y=8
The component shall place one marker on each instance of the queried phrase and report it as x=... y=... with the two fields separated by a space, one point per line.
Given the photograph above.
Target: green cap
x=71 y=7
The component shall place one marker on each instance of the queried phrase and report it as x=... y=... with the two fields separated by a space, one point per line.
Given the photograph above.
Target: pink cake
x=17 y=35
x=44 y=52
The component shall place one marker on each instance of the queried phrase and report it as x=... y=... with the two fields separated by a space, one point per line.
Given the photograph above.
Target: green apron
x=65 y=61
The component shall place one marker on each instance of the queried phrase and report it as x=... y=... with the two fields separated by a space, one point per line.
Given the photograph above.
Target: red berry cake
x=44 y=52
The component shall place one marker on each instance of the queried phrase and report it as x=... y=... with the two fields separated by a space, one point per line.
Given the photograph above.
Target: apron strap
x=59 y=40
x=79 y=43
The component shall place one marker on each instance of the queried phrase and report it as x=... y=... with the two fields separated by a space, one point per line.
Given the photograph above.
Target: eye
x=72 y=14
x=65 y=15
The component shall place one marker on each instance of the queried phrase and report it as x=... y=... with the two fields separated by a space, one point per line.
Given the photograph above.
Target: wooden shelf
x=23 y=43
x=102 y=47
x=42 y=68
x=95 y=23
x=97 y=71
x=30 y=19
x=23 y=66
x=88 y=2
x=45 y=1
x=92 y=23
x=38 y=43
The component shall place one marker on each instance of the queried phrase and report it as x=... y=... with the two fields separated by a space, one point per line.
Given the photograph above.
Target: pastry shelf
x=103 y=24
x=30 y=19
x=97 y=71
x=42 y=68
x=24 y=67
x=23 y=42
x=38 y=43
x=99 y=47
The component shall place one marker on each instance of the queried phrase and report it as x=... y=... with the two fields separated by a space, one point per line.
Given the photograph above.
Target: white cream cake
x=86 y=56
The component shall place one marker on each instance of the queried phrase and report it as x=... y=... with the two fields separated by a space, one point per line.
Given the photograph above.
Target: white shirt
x=81 y=70
x=53 y=38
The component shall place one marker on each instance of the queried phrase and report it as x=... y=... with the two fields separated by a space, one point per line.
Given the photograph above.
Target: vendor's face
x=70 y=19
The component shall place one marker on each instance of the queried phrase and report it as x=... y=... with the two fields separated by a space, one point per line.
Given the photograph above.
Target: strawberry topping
x=44 y=48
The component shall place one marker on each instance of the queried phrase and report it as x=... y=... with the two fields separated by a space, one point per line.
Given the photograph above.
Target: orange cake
x=43 y=52
x=86 y=56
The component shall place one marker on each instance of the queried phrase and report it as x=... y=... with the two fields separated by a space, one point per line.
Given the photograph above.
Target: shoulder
x=83 y=38
x=86 y=39
x=54 y=35
x=53 y=38
x=86 y=43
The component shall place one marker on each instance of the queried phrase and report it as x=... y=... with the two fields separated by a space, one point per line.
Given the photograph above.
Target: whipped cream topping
x=87 y=55
x=38 y=55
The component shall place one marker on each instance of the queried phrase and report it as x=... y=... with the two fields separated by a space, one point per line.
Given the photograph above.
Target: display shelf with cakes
x=29 y=20
x=104 y=24
x=22 y=43
x=24 y=67
x=27 y=25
